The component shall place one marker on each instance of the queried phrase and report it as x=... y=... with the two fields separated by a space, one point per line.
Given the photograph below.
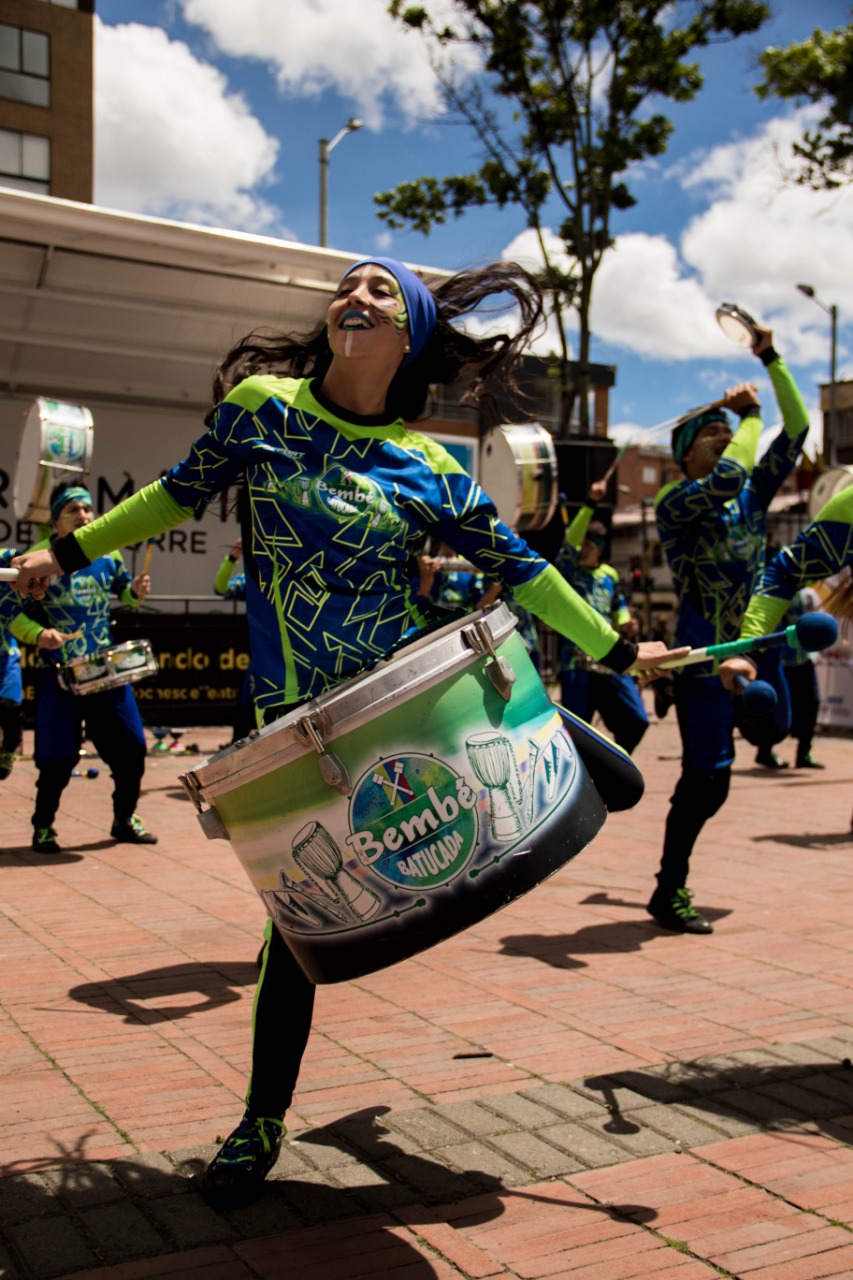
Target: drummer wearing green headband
x=72 y=620
x=338 y=489
x=713 y=525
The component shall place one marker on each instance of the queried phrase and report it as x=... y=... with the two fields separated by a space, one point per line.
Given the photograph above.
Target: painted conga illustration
x=494 y=764
x=317 y=854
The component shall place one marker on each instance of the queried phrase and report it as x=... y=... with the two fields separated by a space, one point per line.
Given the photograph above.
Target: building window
x=650 y=475
x=24 y=66
x=24 y=161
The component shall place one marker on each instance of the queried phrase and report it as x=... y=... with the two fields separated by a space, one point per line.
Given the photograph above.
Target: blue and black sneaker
x=235 y=1175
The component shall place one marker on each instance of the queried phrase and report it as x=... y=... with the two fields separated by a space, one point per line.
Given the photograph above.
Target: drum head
x=55 y=446
x=736 y=324
x=826 y=485
x=518 y=470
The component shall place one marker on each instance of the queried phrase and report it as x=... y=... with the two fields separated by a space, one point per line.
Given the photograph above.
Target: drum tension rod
x=332 y=768
x=479 y=638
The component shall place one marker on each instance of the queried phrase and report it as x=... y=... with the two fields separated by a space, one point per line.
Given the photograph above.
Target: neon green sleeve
x=127 y=597
x=744 y=444
x=25 y=629
x=577 y=529
x=551 y=598
x=223 y=576
x=795 y=416
x=143 y=515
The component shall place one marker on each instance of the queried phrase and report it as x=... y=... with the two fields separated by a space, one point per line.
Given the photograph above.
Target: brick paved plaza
x=563 y=1091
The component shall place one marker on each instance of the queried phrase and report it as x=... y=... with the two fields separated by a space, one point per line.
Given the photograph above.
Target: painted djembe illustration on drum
x=316 y=853
x=492 y=758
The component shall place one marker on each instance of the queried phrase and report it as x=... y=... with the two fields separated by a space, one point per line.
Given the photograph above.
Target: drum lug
x=310 y=730
x=212 y=825
x=498 y=669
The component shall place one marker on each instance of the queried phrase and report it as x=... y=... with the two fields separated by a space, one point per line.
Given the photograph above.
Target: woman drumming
x=336 y=493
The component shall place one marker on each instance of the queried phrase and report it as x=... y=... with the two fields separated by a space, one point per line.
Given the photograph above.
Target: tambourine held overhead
x=737 y=324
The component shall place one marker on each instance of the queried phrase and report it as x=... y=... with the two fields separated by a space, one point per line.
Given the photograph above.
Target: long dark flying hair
x=448 y=353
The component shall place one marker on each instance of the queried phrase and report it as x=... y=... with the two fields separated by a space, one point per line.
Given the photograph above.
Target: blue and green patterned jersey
x=713 y=530
x=822 y=549
x=334 y=507
x=600 y=586
x=75 y=602
x=10 y=604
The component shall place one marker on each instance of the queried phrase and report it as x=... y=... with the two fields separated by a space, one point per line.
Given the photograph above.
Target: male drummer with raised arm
x=713 y=525
x=70 y=621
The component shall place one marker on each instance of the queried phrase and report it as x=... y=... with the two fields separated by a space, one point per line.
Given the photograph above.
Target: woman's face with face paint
x=368 y=316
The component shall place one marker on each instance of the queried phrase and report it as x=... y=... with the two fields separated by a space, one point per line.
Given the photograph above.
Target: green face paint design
x=386 y=298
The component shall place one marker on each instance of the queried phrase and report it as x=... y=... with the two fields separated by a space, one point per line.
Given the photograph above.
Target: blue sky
x=210 y=111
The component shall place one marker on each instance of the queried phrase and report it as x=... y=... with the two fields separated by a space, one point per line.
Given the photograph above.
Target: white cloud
x=351 y=46
x=760 y=237
x=756 y=239
x=170 y=140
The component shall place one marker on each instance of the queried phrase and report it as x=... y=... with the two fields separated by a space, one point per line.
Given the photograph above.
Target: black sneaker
x=770 y=760
x=678 y=913
x=235 y=1175
x=44 y=840
x=132 y=832
x=807 y=761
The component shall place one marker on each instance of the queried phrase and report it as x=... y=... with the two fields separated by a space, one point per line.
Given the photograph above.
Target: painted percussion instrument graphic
x=108 y=668
x=55 y=445
x=518 y=470
x=406 y=804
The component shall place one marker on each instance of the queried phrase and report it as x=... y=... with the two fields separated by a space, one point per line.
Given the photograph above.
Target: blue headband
x=73 y=494
x=686 y=432
x=420 y=304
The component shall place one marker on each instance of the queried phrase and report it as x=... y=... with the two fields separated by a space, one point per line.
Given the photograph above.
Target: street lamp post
x=830 y=435
x=325 y=148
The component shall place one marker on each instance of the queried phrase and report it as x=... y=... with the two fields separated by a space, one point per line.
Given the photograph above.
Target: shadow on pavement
x=63 y=1217
x=774 y=1098
x=134 y=996
x=807 y=839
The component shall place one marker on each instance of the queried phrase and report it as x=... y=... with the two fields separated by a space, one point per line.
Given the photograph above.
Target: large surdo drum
x=405 y=805
x=55 y=445
x=518 y=470
x=826 y=485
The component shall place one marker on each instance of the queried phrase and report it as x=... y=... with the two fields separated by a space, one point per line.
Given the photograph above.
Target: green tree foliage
x=564 y=105
x=818 y=70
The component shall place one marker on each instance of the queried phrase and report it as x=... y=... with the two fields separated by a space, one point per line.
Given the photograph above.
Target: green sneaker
x=677 y=912
x=235 y=1175
x=7 y=761
x=133 y=831
x=44 y=840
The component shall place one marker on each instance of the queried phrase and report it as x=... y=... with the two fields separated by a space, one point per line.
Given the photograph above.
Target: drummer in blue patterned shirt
x=11 y=694
x=70 y=621
x=337 y=492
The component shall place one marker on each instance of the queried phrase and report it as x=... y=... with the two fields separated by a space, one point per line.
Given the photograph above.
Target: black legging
x=284 y=1004
x=11 y=724
x=697 y=797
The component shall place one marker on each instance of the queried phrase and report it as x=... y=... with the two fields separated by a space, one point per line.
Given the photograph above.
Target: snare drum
x=405 y=805
x=826 y=485
x=55 y=445
x=518 y=470
x=109 y=668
